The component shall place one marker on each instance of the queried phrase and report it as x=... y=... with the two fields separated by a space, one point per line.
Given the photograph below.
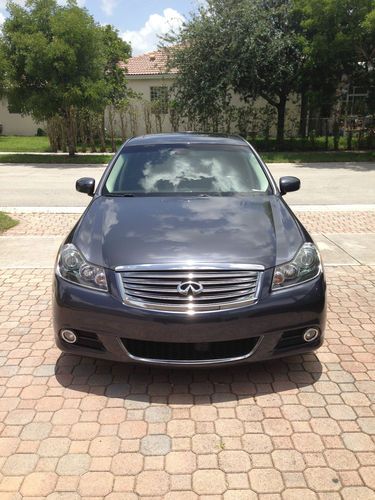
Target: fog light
x=68 y=336
x=311 y=334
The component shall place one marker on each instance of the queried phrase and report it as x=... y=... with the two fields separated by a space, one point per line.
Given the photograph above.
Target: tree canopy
x=251 y=48
x=3 y=71
x=114 y=50
x=59 y=60
x=272 y=49
x=339 y=44
x=200 y=52
x=57 y=63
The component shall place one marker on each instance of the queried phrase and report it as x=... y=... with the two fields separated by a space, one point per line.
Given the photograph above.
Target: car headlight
x=305 y=266
x=72 y=266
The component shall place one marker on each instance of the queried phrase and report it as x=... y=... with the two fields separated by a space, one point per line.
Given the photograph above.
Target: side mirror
x=289 y=184
x=86 y=185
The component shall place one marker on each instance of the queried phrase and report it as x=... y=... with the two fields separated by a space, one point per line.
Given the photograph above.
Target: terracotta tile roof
x=152 y=63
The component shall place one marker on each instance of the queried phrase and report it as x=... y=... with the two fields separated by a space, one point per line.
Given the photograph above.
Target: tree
x=339 y=48
x=368 y=50
x=268 y=56
x=3 y=70
x=252 y=48
x=116 y=52
x=55 y=61
x=201 y=54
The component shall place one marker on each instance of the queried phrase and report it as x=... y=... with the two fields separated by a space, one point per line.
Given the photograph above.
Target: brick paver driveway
x=298 y=428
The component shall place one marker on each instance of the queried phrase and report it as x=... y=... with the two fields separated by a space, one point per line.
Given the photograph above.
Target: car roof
x=186 y=138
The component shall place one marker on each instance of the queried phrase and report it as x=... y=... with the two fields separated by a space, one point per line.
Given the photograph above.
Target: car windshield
x=178 y=169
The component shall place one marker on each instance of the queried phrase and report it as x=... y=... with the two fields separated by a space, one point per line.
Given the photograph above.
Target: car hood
x=256 y=229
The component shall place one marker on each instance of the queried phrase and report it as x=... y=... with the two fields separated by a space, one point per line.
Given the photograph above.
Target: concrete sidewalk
x=342 y=249
x=27 y=252
x=42 y=185
x=338 y=249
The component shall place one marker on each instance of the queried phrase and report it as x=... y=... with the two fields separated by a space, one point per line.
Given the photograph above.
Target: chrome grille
x=157 y=289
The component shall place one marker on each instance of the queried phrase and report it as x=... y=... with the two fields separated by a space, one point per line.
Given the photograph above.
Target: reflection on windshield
x=168 y=169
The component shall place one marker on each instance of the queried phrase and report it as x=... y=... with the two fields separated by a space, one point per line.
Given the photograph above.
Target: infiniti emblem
x=190 y=288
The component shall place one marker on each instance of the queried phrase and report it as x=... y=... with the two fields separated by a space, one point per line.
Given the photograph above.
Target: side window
x=159 y=98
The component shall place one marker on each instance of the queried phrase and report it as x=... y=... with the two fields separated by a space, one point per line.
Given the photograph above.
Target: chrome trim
x=203 y=282
x=147 y=289
x=204 y=362
x=145 y=298
x=185 y=289
x=159 y=296
x=182 y=275
x=190 y=265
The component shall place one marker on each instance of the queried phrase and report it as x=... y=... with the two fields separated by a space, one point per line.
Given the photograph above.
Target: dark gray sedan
x=188 y=255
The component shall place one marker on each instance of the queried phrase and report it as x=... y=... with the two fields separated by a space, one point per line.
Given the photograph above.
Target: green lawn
x=19 y=144
x=6 y=222
x=41 y=145
x=35 y=144
x=272 y=157
x=35 y=158
x=317 y=156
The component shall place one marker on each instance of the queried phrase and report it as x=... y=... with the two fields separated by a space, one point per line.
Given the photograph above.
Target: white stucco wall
x=142 y=85
x=15 y=124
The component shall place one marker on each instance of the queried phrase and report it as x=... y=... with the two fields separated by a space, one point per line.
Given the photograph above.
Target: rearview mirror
x=289 y=184
x=86 y=185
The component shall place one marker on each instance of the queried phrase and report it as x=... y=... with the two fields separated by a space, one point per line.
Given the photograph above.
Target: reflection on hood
x=256 y=229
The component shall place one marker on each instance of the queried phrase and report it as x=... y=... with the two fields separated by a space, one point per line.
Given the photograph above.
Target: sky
x=138 y=21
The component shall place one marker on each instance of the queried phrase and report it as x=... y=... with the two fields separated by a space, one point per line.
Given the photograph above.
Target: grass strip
x=6 y=222
x=54 y=159
x=268 y=157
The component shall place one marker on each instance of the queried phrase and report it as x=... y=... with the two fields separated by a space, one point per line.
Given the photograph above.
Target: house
x=150 y=80
x=15 y=124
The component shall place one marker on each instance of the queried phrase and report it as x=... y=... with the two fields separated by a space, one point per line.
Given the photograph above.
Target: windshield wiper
x=120 y=195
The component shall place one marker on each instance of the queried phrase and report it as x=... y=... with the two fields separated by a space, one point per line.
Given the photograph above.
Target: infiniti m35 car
x=188 y=255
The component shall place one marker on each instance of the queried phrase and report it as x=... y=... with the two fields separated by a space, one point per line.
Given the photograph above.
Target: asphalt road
x=54 y=185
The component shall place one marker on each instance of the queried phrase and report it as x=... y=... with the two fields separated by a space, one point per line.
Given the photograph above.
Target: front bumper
x=115 y=326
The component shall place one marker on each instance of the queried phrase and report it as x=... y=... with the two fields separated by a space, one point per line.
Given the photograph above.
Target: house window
x=159 y=96
x=356 y=101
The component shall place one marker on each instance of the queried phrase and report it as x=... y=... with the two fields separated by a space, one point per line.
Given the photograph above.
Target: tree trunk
x=326 y=142
x=82 y=131
x=111 y=120
x=91 y=131
x=70 y=136
x=303 y=115
x=52 y=134
x=336 y=134
x=123 y=125
x=102 y=133
x=349 y=139
x=281 y=107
